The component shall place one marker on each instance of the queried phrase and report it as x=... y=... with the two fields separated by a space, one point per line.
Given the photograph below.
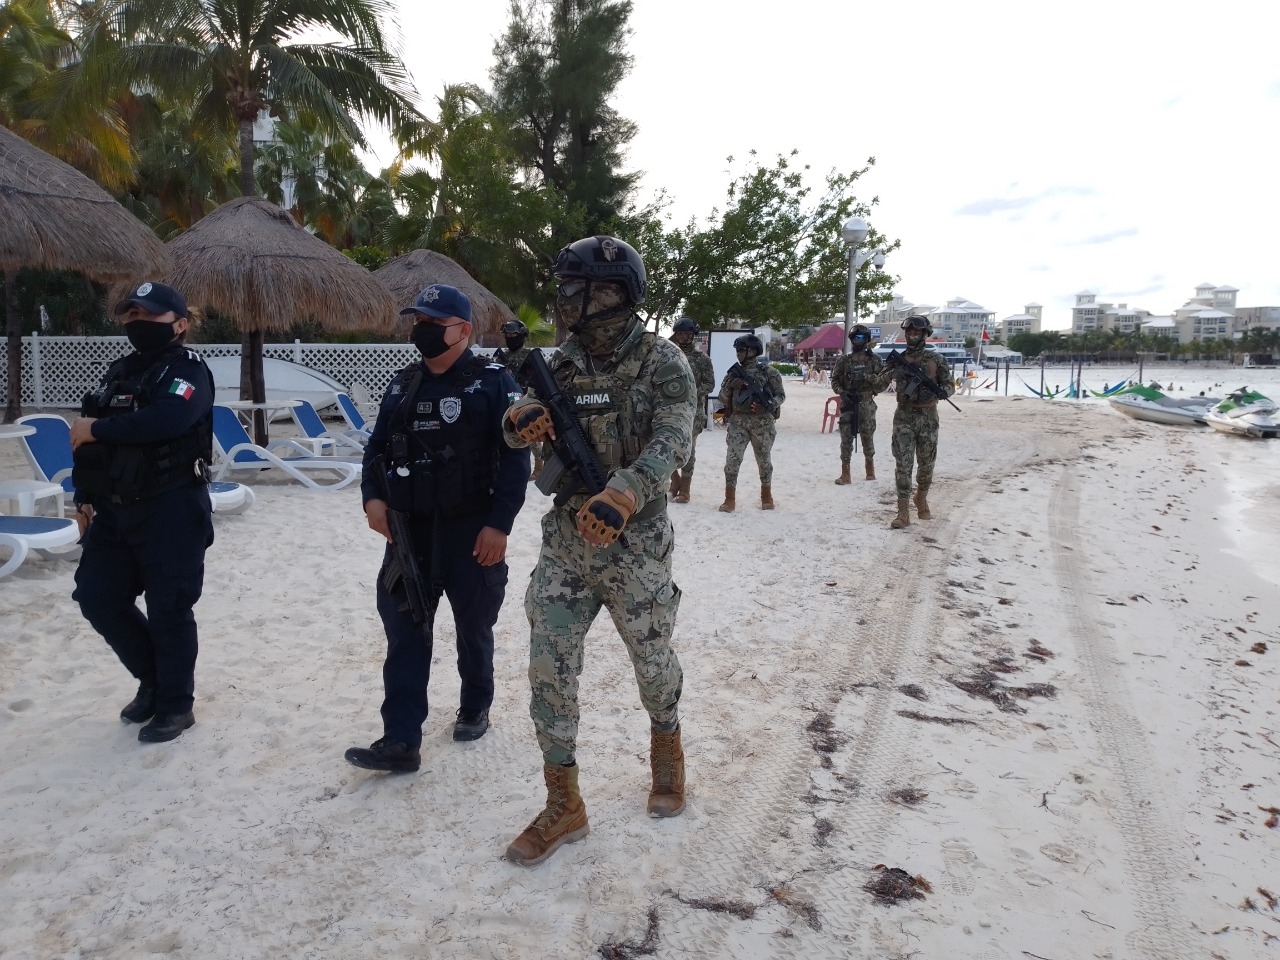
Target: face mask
x=915 y=338
x=515 y=343
x=744 y=356
x=145 y=335
x=429 y=338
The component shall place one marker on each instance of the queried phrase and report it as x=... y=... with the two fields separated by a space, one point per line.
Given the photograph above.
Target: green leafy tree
x=773 y=255
x=556 y=72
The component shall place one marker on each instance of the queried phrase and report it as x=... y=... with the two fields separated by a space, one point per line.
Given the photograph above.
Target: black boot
x=471 y=724
x=166 y=726
x=142 y=707
x=386 y=754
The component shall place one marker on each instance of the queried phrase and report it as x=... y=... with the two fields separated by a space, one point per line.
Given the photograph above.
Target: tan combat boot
x=766 y=497
x=675 y=484
x=682 y=495
x=729 y=494
x=871 y=469
x=844 y=475
x=903 y=519
x=666 y=760
x=922 y=505
x=563 y=821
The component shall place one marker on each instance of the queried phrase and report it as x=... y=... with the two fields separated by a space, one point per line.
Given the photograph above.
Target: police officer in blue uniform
x=141 y=451
x=437 y=460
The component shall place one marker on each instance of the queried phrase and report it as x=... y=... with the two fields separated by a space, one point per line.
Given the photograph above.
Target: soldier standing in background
x=752 y=396
x=704 y=379
x=858 y=377
x=915 y=422
x=513 y=356
x=633 y=396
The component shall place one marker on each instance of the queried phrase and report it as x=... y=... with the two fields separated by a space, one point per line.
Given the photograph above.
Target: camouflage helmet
x=607 y=259
x=514 y=328
x=749 y=341
x=860 y=330
x=686 y=325
x=917 y=323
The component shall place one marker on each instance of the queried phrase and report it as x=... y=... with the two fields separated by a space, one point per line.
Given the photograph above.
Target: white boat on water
x=1147 y=403
x=284 y=381
x=1246 y=413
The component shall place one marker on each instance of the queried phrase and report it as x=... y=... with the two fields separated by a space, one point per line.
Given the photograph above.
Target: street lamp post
x=854 y=233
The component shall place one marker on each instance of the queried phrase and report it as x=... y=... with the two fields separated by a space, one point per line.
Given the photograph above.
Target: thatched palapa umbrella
x=53 y=217
x=407 y=274
x=252 y=262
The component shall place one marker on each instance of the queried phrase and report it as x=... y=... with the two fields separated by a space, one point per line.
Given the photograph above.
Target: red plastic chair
x=831 y=414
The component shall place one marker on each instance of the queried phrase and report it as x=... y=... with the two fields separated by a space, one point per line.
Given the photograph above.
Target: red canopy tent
x=827 y=339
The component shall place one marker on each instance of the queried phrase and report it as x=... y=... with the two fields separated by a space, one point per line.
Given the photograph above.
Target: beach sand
x=1054 y=706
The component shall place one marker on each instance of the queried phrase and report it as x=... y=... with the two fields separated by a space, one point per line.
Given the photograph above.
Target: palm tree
x=235 y=61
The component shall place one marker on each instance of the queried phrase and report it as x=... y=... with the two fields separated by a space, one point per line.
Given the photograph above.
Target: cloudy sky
x=1024 y=152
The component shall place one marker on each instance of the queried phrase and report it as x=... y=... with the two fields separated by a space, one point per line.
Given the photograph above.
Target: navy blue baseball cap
x=441 y=300
x=155 y=298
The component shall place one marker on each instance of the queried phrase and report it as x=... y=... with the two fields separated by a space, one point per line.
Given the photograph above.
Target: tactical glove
x=601 y=519
x=532 y=421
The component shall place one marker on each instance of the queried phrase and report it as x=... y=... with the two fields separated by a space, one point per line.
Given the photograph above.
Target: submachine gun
x=422 y=596
x=918 y=379
x=573 y=451
x=751 y=392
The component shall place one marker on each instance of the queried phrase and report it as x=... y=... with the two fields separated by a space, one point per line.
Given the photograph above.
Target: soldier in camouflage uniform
x=752 y=397
x=858 y=376
x=704 y=379
x=915 y=422
x=513 y=356
x=634 y=397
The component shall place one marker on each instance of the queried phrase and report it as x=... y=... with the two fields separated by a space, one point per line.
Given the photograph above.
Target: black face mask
x=147 y=336
x=429 y=339
x=515 y=343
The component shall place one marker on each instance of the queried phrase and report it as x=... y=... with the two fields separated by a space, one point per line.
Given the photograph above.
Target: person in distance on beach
x=141 y=450
x=752 y=396
x=858 y=376
x=436 y=470
x=704 y=379
x=633 y=397
x=915 y=421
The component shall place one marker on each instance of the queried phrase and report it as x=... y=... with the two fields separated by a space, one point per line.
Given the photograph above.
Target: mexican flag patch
x=182 y=389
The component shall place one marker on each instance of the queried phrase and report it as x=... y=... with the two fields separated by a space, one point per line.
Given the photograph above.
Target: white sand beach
x=1054 y=705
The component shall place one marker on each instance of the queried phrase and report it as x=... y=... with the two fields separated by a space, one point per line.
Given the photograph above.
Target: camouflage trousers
x=698 y=420
x=571 y=582
x=915 y=440
x=757 y=429
x=866 y=431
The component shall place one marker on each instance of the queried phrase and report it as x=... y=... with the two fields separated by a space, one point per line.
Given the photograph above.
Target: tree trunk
x=247 y=184
x=13 y=335
x=258 y=387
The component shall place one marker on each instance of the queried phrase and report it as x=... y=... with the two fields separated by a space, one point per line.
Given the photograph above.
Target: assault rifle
x=404 y=563
x=751 y=392
x=573 y=451
x=917 y=377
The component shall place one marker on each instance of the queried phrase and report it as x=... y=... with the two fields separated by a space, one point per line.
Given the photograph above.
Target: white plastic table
x=27 y=493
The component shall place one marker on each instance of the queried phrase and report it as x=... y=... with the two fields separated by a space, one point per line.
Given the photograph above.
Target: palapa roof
x=406 y=275
x=251 y=261
x=54 y=217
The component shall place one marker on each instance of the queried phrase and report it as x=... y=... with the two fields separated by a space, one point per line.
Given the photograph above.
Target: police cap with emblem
x=155 y=297
x=441 y=300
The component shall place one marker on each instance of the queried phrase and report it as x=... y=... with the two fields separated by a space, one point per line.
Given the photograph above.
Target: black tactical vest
x=124 y=473
x=442 y=454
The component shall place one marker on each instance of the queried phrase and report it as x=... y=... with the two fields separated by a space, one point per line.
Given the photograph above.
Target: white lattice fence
x=56 y=371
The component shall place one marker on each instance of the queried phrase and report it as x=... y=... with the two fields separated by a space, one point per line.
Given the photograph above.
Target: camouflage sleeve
x=839 y=376
x=881 y=375
x=669 y=384
x=704 y=376
x=726 y=392
x=943 y=375
x=775 y=386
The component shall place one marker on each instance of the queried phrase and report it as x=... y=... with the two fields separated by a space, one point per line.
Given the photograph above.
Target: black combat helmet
x=686 y=325
x=860 y=331
x=749 y=341
x=514 y=328
x=604 y=258
x=917 y=323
